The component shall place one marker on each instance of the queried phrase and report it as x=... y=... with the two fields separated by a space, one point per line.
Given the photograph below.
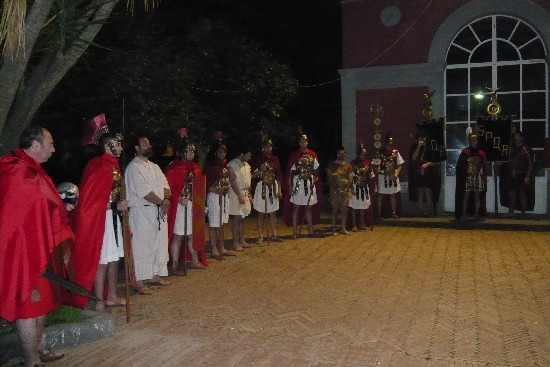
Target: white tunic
x=149 y=228
x=270 y=194
x=243 y=179
x=112 y=248
x=385 y=185
x=181 y=219
x=363 y=201
x=298 y=196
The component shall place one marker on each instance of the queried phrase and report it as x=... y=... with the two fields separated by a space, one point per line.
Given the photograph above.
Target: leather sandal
x=49 y=356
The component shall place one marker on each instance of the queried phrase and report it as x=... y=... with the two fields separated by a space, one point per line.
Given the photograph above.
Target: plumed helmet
x=68 y=192
x=96 y=127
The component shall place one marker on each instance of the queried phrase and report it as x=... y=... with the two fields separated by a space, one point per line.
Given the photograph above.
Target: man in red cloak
x=217 y=185
x=266 y=170
x=186 y=211
x=303 y=191
x=98 y=241
x=471 y=177
x=33 y=222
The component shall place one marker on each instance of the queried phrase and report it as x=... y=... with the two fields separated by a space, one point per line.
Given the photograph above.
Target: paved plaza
x=425 y=292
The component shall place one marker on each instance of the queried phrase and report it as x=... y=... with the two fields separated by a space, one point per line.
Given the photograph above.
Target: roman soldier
x=471 y=177
x=302 y=191
x=267 y=169
x=360 y=201
x=186 y=211
x=217 y=185
x=388 y=183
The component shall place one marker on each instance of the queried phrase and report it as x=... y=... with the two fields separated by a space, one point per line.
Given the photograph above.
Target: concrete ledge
x=98 y=326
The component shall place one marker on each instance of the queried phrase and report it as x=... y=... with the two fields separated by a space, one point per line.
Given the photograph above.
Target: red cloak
x=33 y=221
x=89 y=221
x=461 y=173
x=287 y=205
x=176 y=172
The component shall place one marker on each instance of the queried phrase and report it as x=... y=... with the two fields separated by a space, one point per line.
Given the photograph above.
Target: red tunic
x=33 y=221
x=176 y=172
x=287 y=206
x=89 y=221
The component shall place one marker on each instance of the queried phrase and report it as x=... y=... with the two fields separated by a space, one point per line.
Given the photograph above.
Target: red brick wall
x=396 y=104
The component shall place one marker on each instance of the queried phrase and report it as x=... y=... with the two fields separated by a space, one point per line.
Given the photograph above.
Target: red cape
x=176 y=171
x=461 y=168
x=89 y=221
x=287 y=205
x=33 y=221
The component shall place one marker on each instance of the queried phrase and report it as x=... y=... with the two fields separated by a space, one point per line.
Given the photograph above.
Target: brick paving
x=411 y=295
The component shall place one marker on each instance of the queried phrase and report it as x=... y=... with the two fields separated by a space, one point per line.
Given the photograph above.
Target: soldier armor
x=223 y=182
x=304 y=171
x=473 y=165
x=114 y=197
x=187 y=192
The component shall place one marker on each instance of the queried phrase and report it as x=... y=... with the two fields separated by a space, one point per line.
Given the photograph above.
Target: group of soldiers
x=164 y=212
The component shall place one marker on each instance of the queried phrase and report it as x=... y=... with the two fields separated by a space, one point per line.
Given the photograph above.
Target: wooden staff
x=185 y=241
x=220 y=232
x=126 y=237
x=266 y=218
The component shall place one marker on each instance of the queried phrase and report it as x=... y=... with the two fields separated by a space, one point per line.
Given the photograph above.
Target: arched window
x=496 y=51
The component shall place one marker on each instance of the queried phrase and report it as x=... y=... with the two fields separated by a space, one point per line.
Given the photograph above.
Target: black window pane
x=505 y=26
x=466 y=39
x=457 y=56
x=456 y=136
x=457 y=108
x=483 y=29
x=506 y=52
x=534 y=105
x=457 y=81
x=534 y=132
x=534 y=77
x=509 y=77
x=522 y=35
x=534 y=50
x=480 y=78
x=483 y=53
x=450 y=167
x=509 y=104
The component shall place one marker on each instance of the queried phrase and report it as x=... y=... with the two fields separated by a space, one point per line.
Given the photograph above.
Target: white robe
x=243 y=178
x=149 y=229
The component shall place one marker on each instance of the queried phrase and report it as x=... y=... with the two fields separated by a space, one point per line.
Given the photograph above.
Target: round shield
x=68 y=192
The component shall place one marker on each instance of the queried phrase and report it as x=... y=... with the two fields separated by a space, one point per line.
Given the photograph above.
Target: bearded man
x=148 y=195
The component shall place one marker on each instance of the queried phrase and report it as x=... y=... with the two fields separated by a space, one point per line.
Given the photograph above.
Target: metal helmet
x=68 y=192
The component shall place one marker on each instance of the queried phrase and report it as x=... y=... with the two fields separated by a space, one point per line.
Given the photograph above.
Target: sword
x=67 y=284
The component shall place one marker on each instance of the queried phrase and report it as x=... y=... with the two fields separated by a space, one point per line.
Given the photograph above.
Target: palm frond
x=131 y=4
x=12 y=28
